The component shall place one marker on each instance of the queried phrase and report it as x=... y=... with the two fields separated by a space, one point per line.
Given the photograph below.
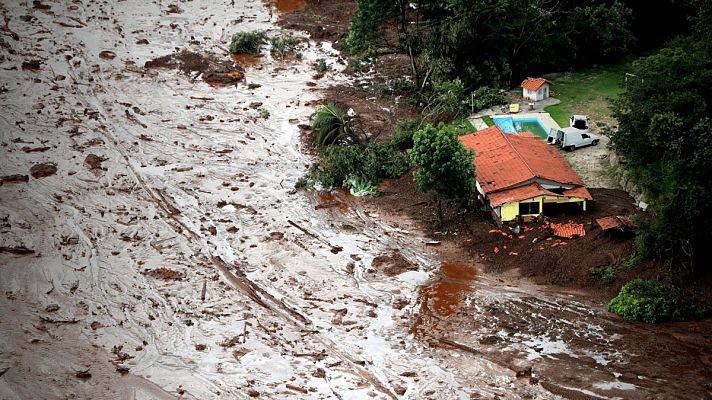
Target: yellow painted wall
x=510 y=211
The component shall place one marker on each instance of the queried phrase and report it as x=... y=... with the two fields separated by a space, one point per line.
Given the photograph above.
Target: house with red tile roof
x=536 y=88
x=521 y=176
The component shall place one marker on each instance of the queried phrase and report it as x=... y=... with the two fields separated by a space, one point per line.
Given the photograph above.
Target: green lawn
x=587 y=92
x=463 y=126
x=487 y=120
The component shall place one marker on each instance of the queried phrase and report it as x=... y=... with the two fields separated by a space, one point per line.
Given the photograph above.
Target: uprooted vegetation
x=209 y=67
x=251 y=43
x=283 y=44
x=352 y=158
x=247 y=42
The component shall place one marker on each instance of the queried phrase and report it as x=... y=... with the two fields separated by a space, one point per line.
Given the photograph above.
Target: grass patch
x=463 y=126
x=487 y=120
x=587 y=92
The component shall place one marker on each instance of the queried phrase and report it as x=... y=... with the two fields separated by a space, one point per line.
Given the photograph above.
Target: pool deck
x=544 y=117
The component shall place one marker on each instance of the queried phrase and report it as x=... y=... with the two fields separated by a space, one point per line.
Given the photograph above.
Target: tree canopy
x=493 y=42
x=444 y=166
x=665 y=136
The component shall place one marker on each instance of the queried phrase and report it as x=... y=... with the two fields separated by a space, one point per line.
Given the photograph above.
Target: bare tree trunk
x=440 y=210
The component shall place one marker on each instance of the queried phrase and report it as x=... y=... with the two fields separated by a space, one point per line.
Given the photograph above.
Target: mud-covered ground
x=153 y=246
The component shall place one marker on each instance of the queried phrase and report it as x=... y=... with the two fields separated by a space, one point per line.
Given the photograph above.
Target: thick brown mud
x=288 y=6
x=442 y=297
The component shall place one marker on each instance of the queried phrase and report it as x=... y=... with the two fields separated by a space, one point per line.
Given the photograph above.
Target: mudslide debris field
x=153 y=245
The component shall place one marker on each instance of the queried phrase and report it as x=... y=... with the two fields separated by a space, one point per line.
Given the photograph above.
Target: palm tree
x=332 y=125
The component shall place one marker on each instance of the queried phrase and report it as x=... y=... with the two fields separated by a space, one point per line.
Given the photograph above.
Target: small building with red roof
x=536 y=88
x=521 y=176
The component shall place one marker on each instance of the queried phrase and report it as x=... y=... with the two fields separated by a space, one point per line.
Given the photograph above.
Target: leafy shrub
x=360 y=187
x=361 y=63
x=447 y=100
x=247 y=42
x=322 y=66
x=604 y=274
x=486 y=97
x=332 y=125
x=651 y=302
x=403 y=137
x=264 y=113
x=372 y=164
x=384 y=161
x=336 y=164
x=283 y=44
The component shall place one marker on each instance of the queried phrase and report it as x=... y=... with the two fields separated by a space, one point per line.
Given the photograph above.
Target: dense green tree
x=493 y=42
x=665 y=136
x=444 y=167
x=599 y=32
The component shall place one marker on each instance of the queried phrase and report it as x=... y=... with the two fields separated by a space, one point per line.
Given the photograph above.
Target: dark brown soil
x=17 y=178
x=392 y=264
x=165 y=274
x=376 y=115
x=43 y=170
x=322 y=19
x=93 y=162
x=213 y=70
x=470 y=235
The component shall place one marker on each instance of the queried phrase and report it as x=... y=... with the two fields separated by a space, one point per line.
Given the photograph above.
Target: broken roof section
x=534 y=84
x=530 y=191
x=568 y=231
x=616 y=221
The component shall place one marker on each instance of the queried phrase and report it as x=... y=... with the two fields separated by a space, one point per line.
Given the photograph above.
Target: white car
x=571 y=138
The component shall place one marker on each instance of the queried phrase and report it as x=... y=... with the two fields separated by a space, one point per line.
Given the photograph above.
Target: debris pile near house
x=567 y=231
x=617 y=222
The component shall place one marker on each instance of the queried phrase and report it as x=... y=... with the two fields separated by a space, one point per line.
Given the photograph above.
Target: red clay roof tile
x=568 y=231
x=503 y=161
x=530 y=191
x=518 y=193
x=535 y=83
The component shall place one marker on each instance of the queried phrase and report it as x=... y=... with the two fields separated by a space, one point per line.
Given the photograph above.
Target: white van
x=572 y=138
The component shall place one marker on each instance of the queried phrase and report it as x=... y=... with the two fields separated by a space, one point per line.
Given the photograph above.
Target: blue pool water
x=513 y=124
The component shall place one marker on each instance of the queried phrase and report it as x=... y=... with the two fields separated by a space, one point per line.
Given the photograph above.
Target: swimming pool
x=513 y=124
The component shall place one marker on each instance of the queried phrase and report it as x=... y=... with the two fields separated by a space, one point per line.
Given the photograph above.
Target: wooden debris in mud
x=165 y=274
x=17 y=178
x=296 y=388
x=19 y=250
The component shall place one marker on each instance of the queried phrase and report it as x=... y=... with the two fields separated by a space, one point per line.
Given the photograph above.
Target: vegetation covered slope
x=664 y=137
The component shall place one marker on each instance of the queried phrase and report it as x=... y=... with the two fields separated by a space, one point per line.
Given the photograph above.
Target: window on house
x=529 y=208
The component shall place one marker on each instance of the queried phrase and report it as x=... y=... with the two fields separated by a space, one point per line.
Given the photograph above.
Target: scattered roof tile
x=568 y=231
